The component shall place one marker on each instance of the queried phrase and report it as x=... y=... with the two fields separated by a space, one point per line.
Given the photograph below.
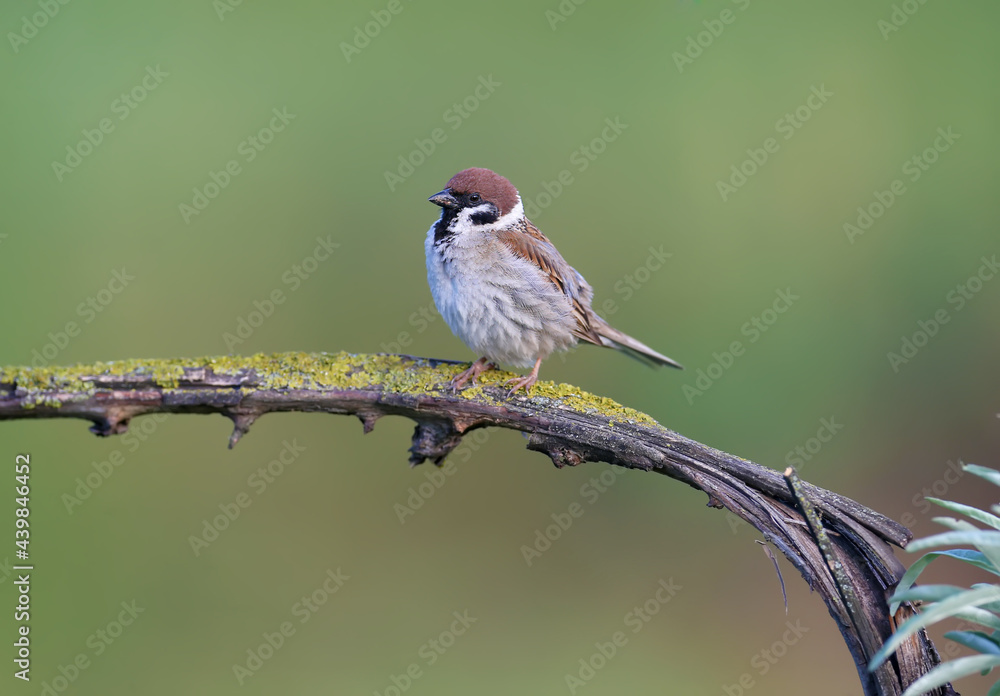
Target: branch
x=569 y=425
x=850 y=603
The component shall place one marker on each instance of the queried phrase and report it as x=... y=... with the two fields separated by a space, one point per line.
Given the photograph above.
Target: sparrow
x=504 y=289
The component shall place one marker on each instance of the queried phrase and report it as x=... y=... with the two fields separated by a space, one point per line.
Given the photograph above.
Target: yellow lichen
x=319 y=371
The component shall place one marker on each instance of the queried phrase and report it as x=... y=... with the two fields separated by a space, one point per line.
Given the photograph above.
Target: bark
x=842 y=548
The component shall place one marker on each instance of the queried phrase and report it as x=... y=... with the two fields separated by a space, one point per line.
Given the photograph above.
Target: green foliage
x=979 y=604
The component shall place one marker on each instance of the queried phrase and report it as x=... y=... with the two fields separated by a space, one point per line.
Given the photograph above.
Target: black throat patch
x=441 y=231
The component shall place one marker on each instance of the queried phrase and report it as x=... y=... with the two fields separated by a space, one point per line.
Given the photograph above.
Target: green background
x=655 y=186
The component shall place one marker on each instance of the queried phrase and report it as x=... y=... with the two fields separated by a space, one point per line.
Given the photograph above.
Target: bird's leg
x=474 y=370
x=525 y=382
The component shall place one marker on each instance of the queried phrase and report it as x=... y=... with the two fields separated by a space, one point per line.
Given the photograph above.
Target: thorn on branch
x=368 y=419
x=114 y=422
x=241 y=426
x=105 y=427
x=561 y=454
x=714 y=502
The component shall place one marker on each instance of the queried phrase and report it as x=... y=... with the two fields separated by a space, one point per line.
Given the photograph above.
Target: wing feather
x=527 y=242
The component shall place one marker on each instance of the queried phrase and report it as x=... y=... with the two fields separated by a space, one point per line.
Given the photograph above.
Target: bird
x=504 y=289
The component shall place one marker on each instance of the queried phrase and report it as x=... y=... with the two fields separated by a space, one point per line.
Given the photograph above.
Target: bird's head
x=478 y=198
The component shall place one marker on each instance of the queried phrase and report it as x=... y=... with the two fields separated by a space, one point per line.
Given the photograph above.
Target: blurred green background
x=692 y=86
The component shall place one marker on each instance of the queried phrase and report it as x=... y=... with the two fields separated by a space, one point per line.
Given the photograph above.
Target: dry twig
x=568 y=425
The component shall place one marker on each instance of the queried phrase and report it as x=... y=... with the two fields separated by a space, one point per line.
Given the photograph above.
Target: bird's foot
x=525 y=383
x=521 y=382
x=472 y=372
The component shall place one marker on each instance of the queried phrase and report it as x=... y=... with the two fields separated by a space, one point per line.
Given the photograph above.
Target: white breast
x=500 y=305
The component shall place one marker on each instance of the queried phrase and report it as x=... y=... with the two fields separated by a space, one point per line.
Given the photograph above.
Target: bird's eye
x=474 y=198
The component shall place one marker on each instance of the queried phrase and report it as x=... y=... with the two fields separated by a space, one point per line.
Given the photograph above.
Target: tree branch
x=569 y=425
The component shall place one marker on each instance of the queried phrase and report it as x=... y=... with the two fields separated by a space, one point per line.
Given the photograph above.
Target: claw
x=524 y=382
x=519 y=382
x=472 y=372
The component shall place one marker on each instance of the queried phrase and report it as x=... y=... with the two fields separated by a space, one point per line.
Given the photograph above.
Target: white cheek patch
x=508 y=220
x=463 y=223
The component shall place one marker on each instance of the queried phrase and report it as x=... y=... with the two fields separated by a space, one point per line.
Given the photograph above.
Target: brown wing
x=528 y=243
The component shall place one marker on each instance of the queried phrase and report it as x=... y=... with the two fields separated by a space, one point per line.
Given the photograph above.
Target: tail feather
x=613 y=338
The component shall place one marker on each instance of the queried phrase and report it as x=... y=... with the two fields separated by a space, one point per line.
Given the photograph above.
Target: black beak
x=444 y=199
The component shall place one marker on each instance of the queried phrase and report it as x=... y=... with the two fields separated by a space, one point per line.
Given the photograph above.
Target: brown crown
x=488 y=184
